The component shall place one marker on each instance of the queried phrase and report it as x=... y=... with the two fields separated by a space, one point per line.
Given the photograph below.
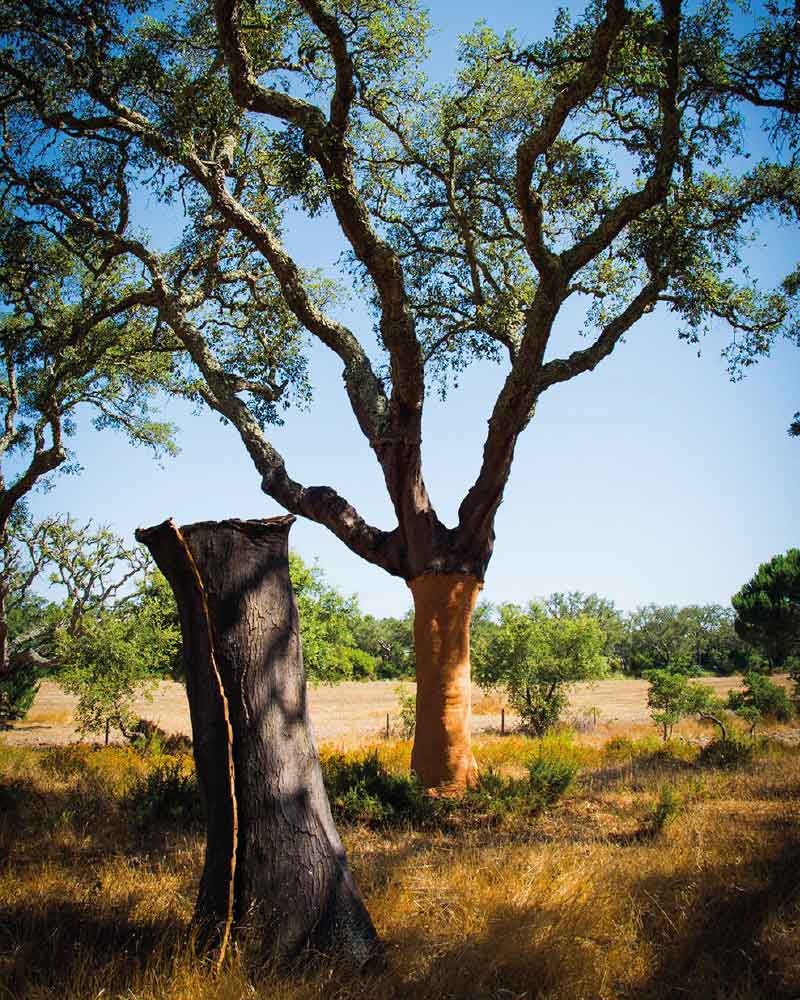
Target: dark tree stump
x=275 y=867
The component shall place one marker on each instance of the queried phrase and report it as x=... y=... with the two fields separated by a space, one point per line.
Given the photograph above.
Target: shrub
x=549 y=778
x=761 y=699
x=407 y=700
x=667 y=806
x=730 y=753
x=362 y=790
x=17 y=691
x=148 y=737
x=166 y=794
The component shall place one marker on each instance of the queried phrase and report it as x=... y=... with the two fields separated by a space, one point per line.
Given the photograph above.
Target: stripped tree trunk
x=274 y=866
x=443 y=605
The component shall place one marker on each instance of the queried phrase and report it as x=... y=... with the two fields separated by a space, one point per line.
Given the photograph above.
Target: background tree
x=671 y=697
x=586 y=167
x=686 y=640
x=768 y=609
x=760 y=699
x=390 y=643
x=535 y=658
x=328 y=623
x=71 y=337
x=116 y=657
x=574 y=603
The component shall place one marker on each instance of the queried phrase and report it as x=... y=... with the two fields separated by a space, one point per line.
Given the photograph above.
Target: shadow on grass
x=65 y=948
x=722 y=951
x=711 y=940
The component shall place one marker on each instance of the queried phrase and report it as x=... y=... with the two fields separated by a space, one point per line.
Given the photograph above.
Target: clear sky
x=652 y=479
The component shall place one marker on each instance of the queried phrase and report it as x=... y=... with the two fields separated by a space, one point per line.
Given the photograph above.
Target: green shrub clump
x=166 y=794
x=362 y=790
x=735 y=751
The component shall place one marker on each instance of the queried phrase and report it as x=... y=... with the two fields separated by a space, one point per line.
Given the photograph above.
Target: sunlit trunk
x=442 y=755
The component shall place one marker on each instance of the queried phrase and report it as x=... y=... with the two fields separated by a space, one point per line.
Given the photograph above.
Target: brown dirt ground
x=350 y=713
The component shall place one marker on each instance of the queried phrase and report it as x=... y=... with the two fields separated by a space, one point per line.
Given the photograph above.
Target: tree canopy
x=606 y=163
x=535 y=657
x=768 y=609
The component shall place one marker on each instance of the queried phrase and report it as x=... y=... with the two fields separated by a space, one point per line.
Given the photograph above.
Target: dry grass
x=355 y=712
x=588 y=901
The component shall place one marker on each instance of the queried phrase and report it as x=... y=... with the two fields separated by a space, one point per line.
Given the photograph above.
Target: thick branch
x=655 y=189
x=528 y=152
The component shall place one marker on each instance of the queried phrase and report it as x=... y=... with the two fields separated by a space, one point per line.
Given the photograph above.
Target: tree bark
x=442 y=755
x=275 y=869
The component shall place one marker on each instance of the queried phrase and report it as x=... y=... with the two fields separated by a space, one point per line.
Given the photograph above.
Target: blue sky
x=652 y=479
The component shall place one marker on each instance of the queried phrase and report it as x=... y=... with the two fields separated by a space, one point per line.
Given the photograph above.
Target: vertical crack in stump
x=175 y=560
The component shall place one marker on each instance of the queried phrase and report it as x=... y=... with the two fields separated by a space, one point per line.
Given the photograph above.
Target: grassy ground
x=654 y=876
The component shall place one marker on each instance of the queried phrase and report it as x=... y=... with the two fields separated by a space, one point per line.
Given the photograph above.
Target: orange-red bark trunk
x=442 y=755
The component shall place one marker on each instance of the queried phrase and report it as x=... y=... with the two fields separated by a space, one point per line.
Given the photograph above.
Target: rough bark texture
x=275 y=867
x=443 y=605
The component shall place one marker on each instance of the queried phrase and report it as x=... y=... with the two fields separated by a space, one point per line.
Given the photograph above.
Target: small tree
x=760 y=700
x=114 y=657
x=768 y=609
x=672 y=697
x=536 y=658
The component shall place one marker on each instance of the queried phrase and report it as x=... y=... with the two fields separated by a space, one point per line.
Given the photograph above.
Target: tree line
x=107 y=629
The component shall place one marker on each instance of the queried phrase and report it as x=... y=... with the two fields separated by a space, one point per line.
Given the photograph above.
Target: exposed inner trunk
x=443 y=605
x=275 y=867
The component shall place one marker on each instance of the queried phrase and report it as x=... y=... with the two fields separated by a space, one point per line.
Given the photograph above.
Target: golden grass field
x=589 y=900
x=354 y=712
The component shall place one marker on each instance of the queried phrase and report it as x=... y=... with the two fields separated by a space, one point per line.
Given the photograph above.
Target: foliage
x=390 y=642
x=671 y=697
x=603 y=167
x=663 y=812
x=362 y=789
x=535 y=658
x=17 y=691
x=72 y=337
x=768 y=609
x=731 y=752
x=327 y=625
x=761 y=699
x=407 y=701
x=115 y=656
x=687 y=640
x=168 y=793
x=574 y=604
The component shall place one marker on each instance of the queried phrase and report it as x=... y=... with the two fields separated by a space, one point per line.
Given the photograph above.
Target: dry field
x=349 y=713
x=655 y=876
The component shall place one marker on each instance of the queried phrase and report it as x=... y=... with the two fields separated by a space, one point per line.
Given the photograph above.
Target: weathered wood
x=275 y=867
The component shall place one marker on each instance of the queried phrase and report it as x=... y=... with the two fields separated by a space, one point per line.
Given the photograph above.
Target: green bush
x=167 y=794
x=549 y=778
x=362 y=790
x=407 y=702
x=761 y=699
x=17 y=691
x=150 y=739
x=730 y=753
x=667 y=806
